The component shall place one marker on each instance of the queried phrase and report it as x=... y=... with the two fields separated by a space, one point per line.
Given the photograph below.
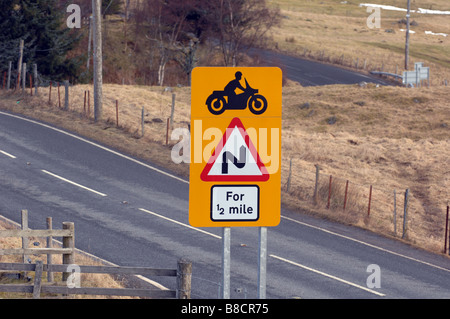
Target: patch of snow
x=432 y=33
x=392 y=8
x=426 y=11
x=385 y=7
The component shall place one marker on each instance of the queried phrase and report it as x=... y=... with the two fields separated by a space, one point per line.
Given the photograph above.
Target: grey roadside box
x=419 y=74
x=409 y=77
x=424 y=74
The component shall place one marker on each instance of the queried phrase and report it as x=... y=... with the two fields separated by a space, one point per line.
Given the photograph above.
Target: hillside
x=336 y=31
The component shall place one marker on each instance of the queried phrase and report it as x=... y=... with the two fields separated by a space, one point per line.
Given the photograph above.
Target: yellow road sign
x=235 y=163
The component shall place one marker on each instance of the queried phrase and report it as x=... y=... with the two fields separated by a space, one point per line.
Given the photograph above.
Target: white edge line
x=366 y=244
x=97 y=145
x=7 y=154
x=152 y=282
x=327 y=275
x=180 y=223
x=73 y=183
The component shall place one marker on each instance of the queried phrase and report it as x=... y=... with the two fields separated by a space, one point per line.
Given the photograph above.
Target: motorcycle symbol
x=219 y=101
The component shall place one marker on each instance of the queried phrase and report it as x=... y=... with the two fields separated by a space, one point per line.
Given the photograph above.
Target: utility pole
x=89 y=43
x=19 y=64
x=98 y=65
x=407 y=35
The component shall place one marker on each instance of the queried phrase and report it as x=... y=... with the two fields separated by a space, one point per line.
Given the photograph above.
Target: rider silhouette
x=231 y=87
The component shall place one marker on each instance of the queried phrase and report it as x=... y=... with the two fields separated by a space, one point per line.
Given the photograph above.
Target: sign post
x=235 y=160
x=262 y=262
x=226 y=262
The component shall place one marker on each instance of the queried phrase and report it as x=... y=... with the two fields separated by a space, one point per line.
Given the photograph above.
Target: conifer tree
x=41 y=24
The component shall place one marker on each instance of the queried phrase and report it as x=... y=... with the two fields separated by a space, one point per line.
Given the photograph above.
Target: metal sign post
x=226 y=236
x=262 y=262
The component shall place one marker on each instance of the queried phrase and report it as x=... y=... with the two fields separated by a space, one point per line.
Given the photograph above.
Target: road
x=310 y=73
x=132 y=213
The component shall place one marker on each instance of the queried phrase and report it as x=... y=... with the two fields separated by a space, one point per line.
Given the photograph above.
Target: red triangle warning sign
x=235 y=158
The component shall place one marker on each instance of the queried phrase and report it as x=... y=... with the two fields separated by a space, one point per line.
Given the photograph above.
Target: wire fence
x=394 y=212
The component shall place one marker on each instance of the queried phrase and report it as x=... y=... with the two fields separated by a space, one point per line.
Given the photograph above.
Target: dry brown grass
x=387 y=137
x=338 y=31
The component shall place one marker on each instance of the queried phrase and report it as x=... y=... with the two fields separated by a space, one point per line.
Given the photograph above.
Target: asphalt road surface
x=310 y=73
x=131 y=213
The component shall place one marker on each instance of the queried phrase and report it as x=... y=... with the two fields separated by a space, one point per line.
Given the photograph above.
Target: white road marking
x=180 y=223
x=7 y=154
x=152 y=282
x=73 y=183
x=328 y=275
x=99 y=146
x=366 y=244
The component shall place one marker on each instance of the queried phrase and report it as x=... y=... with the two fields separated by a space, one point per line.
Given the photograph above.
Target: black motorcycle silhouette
x=219 y=101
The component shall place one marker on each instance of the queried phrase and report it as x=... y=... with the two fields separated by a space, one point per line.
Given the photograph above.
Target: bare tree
x=242 y=24
x=185 y=55
x=177 y=30
x=169 y=19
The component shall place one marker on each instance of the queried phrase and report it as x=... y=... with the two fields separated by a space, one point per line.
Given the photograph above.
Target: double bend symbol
x=228 y=156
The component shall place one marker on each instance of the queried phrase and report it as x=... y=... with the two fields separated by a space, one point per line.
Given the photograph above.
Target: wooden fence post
x=35 y=79
x=66 y=95
x=50 y=93
x=446 y=232
x=405 y=212
x=68 y=242
x=84 y=105
x=142 y=122
x=24 y=226
x=329 y=191
x=167 y=131
x=172 y=110
x=24 y=76
x=117 y=113
x=49 y=245
x=345 y=195
x=370 y=200
x=395 y=212
x=37 y=279
x=31 y=84
x=184 y=277
x=288 y=185
x=59 y=97
x=8 y=82
x=316 y=184
x=448 y=236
